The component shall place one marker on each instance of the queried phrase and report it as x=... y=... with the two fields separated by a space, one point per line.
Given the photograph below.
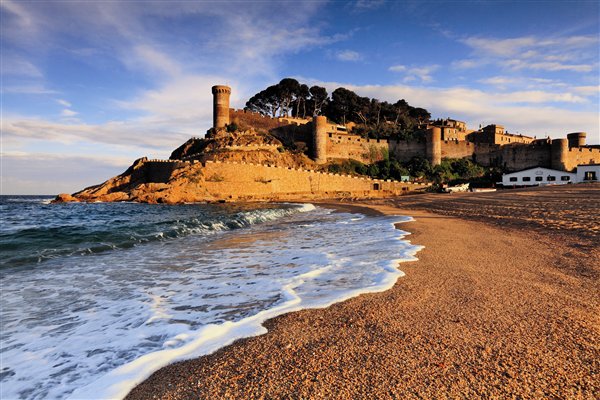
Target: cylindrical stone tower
x=320 y=139
x=433 y=143
x=559 y=154
x=220 y=106
x=576 y=139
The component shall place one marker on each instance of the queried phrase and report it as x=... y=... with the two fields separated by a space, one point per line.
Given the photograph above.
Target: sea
x=95 y=297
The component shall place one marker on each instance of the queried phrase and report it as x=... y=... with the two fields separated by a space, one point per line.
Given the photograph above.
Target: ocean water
x=96 y=297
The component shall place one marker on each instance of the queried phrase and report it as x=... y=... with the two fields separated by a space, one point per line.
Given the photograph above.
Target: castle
x=490 y=146
x=244 y=158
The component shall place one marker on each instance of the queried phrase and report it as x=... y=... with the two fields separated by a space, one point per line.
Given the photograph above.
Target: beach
x=502 y=303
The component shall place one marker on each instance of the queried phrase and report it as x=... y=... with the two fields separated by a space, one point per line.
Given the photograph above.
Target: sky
x=89 y=86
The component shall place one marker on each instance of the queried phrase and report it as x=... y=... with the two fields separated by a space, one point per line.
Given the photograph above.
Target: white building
x=588 y=173
x=538 y=176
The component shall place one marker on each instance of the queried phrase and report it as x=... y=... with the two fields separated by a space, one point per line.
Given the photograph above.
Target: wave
x=99 y=325
x=95 y=232
x=120 y=381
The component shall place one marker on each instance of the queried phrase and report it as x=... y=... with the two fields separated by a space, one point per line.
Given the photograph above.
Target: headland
x=499 y=305
x=250 y=156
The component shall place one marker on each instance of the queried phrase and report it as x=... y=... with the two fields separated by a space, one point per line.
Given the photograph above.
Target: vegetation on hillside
x=451 y=170
x=374 y=118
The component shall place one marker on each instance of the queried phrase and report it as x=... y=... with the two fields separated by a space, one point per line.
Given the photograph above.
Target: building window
x=513 y=179
x=565 y=178
x=331 y=135
x=526 y=178
x=590 y=176
x=376 y=186
x=551 y=178
x=539 y=178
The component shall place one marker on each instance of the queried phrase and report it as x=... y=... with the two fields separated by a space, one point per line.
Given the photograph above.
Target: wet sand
x=504 y=302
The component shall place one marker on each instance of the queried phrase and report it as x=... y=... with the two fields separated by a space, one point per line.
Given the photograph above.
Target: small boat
x=458 y=188
x=481 y=190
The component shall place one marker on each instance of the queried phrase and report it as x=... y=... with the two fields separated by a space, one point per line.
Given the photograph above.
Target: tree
x=300 y=102
x=318 y=97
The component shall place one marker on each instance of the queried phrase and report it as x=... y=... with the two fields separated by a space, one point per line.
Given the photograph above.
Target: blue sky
x=87 y=87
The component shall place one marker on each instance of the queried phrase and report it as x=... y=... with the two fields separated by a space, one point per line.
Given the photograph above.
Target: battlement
x=221 y=89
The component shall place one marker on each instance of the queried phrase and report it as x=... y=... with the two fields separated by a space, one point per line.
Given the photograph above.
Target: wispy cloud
x=533 y=53
x=348 y=55
x=43 y=173
x=416 y=73
x=367 y=5
x=68 y=113
x=16 y=65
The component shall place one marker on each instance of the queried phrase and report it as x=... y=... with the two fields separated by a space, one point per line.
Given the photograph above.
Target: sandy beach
x=503 y=303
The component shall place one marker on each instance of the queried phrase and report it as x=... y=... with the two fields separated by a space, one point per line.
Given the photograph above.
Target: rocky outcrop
x=229 y=167
x=65 y=198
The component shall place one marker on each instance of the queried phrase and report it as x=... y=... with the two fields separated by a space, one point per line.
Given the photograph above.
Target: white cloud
x=588 y=90
x=397 y=68
x=348 y=55
x=43 y=173
x=365 y=5
x=146 y=57
x=142 y=135
x=64 y=103
x=14 y=65
x=533 y=53
x=549 y=66
x=68 y=113
x=28 y=89
x=412 y=74
x=468 y=63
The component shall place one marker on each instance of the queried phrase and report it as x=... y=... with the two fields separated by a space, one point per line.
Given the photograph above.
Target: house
x=538 y=176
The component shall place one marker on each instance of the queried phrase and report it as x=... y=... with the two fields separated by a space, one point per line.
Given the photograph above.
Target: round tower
x=576 y=139
x=559 y=154
x=220 y=106
x=320 y=139
x=433 y=143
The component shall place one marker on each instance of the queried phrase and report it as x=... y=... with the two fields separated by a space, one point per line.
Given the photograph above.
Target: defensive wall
x=244 y=181
x=247 y=181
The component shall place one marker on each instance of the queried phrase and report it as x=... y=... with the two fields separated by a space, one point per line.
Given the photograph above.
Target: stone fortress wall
x=243 y=181
x=246 y=181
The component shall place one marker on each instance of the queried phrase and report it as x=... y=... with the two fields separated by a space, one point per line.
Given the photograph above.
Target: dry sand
x=503 y=303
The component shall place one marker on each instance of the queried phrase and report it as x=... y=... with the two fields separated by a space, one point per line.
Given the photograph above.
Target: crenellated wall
x=581 y=155
x=253 y=181
x=217 y=180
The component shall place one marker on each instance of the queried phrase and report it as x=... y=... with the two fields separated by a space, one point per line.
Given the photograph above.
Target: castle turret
x=576 y=139
x=320 y=139
x=433 y=143
x=220 y=106
x=559 y=154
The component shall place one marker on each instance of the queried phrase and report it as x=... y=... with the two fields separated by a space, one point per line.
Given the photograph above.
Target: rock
x=65 y=198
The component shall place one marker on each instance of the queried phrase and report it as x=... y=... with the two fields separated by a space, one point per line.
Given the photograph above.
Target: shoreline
x=486 y=311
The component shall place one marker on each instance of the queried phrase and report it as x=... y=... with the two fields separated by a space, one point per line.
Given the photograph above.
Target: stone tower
x=320 y=139
x=576 y=139
x=559 y=154
x=433 y=143
x=221 y=95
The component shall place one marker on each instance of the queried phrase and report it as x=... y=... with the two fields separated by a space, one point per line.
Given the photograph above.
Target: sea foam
x=95 y=326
